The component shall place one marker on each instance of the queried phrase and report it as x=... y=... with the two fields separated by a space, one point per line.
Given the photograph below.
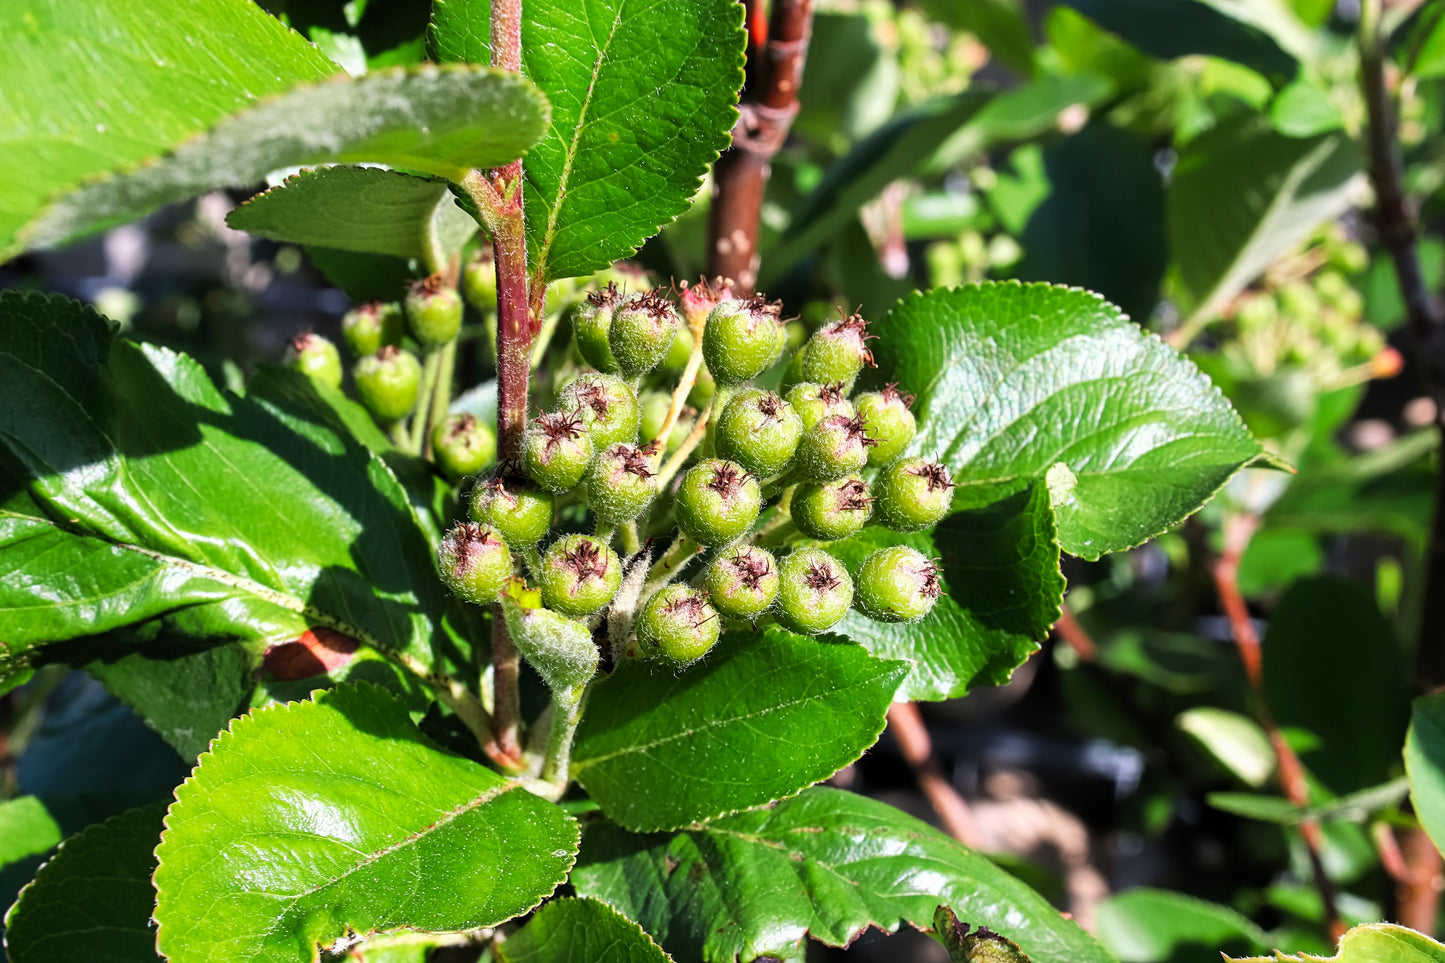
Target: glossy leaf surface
x=580 y=929
x=763 y=717
x=314 y=817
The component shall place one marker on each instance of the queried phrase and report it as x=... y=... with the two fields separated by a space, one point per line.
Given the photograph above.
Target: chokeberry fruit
x=370 y=327
x=475 y=562
x=463 y=445
x=479 y=280
x=897 y=584
x=590 y=327
x=912 y=494
x=741 y=339
x=814 y=591
x=642 y=330
x=557 y=450
x=832 y=510
x=890 y=423
x=836 y=352
x=742 y=582
x=832 y=448
x=759 y=431
x=677 y=625
x=520 y=512
x=580 y=574
x=607 y=406
x=813 y=402
x=387 y=383
x=621 y=483
x=315 y=357
x=717 y=502
x=433 y=311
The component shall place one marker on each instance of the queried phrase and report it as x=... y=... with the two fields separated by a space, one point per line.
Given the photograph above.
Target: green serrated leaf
x=359 y=209
x=825 y=864
x=439 y=121
x=312 y=819
x=1150 y=924
x=1369 y=943
x=93 y=900
x=765 y=716
x=1176 y=28
x=580 y=929
x=1002 y=590
x=1014 y=379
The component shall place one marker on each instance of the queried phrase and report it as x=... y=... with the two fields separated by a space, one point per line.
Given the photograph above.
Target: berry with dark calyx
x=677 y=625
x=742 y=582
x=591 y=325
x=520 y=512
x=814 y=591
x=814 y=402
x=717 y=502
x=388 y=382
x=912 y=494
x=433 y=311
x=462 y=445
x=832 y=510
x=621 y=483
x=370 y=327
x=741 y=339
x=479 y=280
x=837 y=351
x=832 y=448
x=643 y=327
x=890 y=423
x=316 y=357
x=580 y=574
x=759 y=431
x=557 y=450
x=606 y=405
x=475 y=562
x=897 y=584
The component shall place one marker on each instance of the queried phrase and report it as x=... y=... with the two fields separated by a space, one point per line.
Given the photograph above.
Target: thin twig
x=909 y=730
x=1074 y=635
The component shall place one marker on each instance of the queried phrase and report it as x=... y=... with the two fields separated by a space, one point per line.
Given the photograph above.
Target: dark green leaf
x=366 y=277
x=765 y=716
x=580 y=929
x=1040 y=383
x=93 y=900
x=825 y=864
x=1369 y=943
x=1002 y=592
x=1176 y=28
x=1425 y=764
x=359 y=209
x=310 y=819
x=1000 y=25
x=1153 y=924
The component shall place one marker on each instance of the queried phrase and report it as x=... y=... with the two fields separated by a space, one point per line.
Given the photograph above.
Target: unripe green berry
x=742 y=582
x=559 y=648
x=836 y=352
x=621 y=483
x=370 y=327
x=759 y=431
x=462 y=445
x=814 y=591
x=433 y=312
x=475 y=562
x=315 y=357
x=388 y=382
x=676 y=358
x=832 y=510
x=591 y=325
x=890 y=424
x=642 y=330
x=795 y=335
x=703 y=389
x=717 y=502
x=912 y=494
x=832 y=448
x=813 y=402
x=606 y=405
x=897 y=584
x=655 y=405
x=557 y=451
x=580 y=574
x=677 y=625
x=479 y=280
x=520 y=513
x=741 y=339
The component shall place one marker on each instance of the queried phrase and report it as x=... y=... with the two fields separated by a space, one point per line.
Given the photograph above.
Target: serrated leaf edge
x=502 y=953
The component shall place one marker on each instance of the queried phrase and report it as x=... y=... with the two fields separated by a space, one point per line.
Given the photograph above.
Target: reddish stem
x=908 y=728
x=1074 y=635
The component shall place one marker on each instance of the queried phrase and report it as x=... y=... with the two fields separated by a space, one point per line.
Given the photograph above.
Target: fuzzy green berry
x=832 y=448
x=387 y=383
x=655 y=405
x=479 y=280
x=741 y=339
x=521 y=513
x=890 y=424
x=836 y=352
x=813 y=402
x=315 y=357
x=759 y=431
x=676 y=358
x=897 y=584
x=717 y=502
x=621 y=483
x=580 y=574
x=814 y=591
x=642 y=330
x=463 y=446
x=475 y=562
x=370 y=327
x=677 y=625
x=912 y=494
x=557 y=451
x=703 y=389
x=606 y=405
x=742 y=582
x=433 y=312
x=832 y=510
x=591 y=325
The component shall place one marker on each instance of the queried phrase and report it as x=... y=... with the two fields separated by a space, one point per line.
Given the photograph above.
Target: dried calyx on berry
x=475 y=562
x=814 y=402
x=463 y=445
x=698 y=300
x=836 y=352
x=519 y=511
x=897 y=584
x=913 y=494
x=607 y=406
x=717 y=502
x=388 y=382
x=814 y=591
x=832 y=448
x=315 y=357
x=890 y=423
x=742 y=338
x=742 y=582
x=621 y=483
x=433 y=311
x=677 y=625
x=370 y=327
x=759 y=431
x=832 y=510
x=642 y=330
x=580 y=574
x=557 y=450
x=591 y=325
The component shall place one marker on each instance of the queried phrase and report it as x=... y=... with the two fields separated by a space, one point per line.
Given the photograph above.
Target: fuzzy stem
x=417 y=438
x=677 y=555
x=566 y=715
x=631 y=545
